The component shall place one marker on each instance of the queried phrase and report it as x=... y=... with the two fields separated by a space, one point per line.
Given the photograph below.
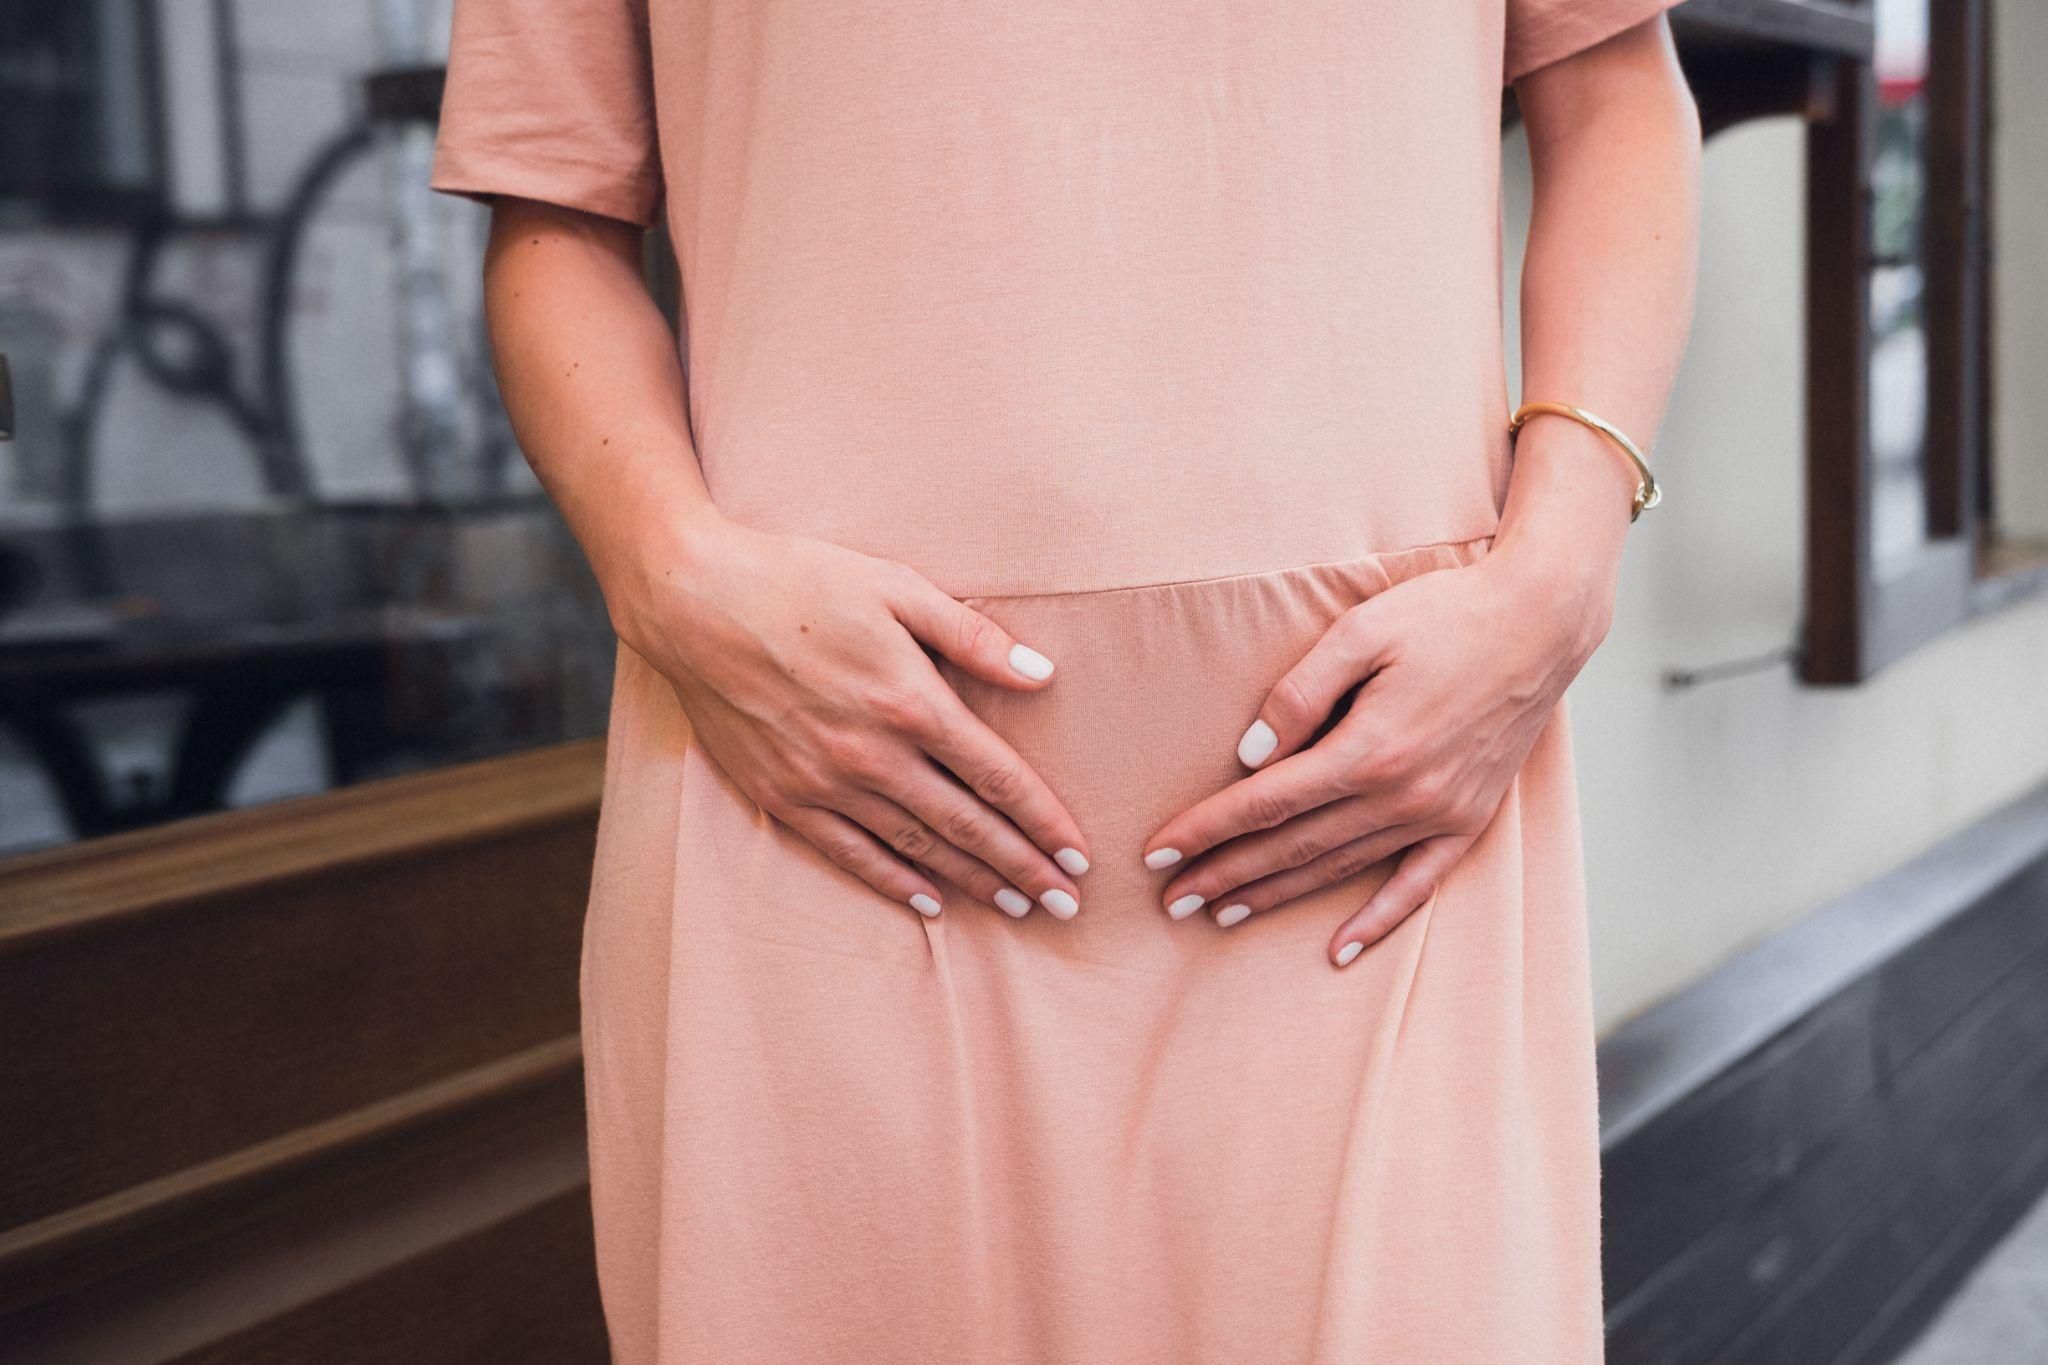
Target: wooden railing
x=302 y=1083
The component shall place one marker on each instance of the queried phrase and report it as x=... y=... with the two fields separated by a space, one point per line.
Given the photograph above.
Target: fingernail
x=1257 y=745
x=1162 y=857
x=1231 y=914
x=1030 y=663
x=924 y=905
x=1071 y=861
x=1186 y=905
x=1014 y=903
x=1349 y=951
x=1060 y=903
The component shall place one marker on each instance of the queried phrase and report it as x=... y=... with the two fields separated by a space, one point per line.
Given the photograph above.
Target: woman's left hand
x=1460 y=669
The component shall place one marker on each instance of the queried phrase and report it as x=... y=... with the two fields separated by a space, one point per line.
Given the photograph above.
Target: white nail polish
x=924 y=905
x=1231 y=914
x=1071 y=861
x=1014 y=903
x=1186 y=905
x=1060 y=903
x=1257 y=745
x=1030 y=663
x=1349 y=951
x=1162 y=857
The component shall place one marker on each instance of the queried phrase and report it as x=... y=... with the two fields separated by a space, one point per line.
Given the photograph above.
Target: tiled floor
x=2000 y=1315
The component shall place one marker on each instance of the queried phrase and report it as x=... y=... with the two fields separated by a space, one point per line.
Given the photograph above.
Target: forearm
x=1607 y=298
x=592 y=381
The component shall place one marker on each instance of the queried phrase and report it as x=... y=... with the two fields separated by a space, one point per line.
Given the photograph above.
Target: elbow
x=1624 y=89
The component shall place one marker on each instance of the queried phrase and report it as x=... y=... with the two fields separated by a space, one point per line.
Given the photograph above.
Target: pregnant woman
x=1089 y=867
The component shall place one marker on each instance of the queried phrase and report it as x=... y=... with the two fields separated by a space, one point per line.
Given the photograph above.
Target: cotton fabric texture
x=1162 y=333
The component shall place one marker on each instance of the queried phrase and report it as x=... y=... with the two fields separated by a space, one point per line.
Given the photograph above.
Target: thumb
x=1301 y=701
x=965 y=637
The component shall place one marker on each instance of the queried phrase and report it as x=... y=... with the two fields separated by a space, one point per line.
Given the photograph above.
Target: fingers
x=1267 y=798
x=1348 y=652
x=965 y=746
x=1421 y=871
x=916 y=841
x=963 y=820
x=966 y=637
x=997 y=831
x=1266 y=853
x=855 y=850
x=881 y=843
x=1288 y=778
x=1346 y=860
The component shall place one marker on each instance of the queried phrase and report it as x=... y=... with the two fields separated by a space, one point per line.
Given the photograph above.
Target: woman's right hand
x=798 y=663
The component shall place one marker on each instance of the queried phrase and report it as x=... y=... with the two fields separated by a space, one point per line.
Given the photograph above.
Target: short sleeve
x=1540 y=32
x=552 y=100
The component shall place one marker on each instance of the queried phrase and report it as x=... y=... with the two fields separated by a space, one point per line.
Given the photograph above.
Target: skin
x=1607 y=297
x=807 y=670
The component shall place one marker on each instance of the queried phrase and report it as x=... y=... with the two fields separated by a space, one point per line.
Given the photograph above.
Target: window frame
x=103 y=202
x=1856 y=622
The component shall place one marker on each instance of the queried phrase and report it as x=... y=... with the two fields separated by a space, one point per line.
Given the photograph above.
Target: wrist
x=649 y=570
x=1566 y=582
x=1560 y=541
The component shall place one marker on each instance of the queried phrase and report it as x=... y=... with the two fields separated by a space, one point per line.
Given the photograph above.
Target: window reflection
x=1898 y=287
x=263 y=529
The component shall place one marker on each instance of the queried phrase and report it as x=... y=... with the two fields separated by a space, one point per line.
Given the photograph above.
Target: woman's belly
x=1154 y=687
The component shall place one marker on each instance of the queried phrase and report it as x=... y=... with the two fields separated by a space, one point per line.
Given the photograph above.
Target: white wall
x=1717 y=814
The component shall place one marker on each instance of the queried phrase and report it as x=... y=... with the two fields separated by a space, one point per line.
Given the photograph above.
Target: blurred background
x=266 y=530
x=302 y=686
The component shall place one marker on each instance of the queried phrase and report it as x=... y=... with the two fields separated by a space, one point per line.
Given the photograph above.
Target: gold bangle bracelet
x=1647 y=492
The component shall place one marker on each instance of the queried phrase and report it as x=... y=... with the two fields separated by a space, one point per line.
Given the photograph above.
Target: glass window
x=264 y=530
x=77 y=135
x=1898 y=288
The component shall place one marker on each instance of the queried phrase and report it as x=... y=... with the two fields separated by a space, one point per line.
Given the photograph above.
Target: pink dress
x=1162 y=333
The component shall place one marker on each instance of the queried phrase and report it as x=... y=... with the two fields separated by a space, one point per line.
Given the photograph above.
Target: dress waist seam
x=1458 y=549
